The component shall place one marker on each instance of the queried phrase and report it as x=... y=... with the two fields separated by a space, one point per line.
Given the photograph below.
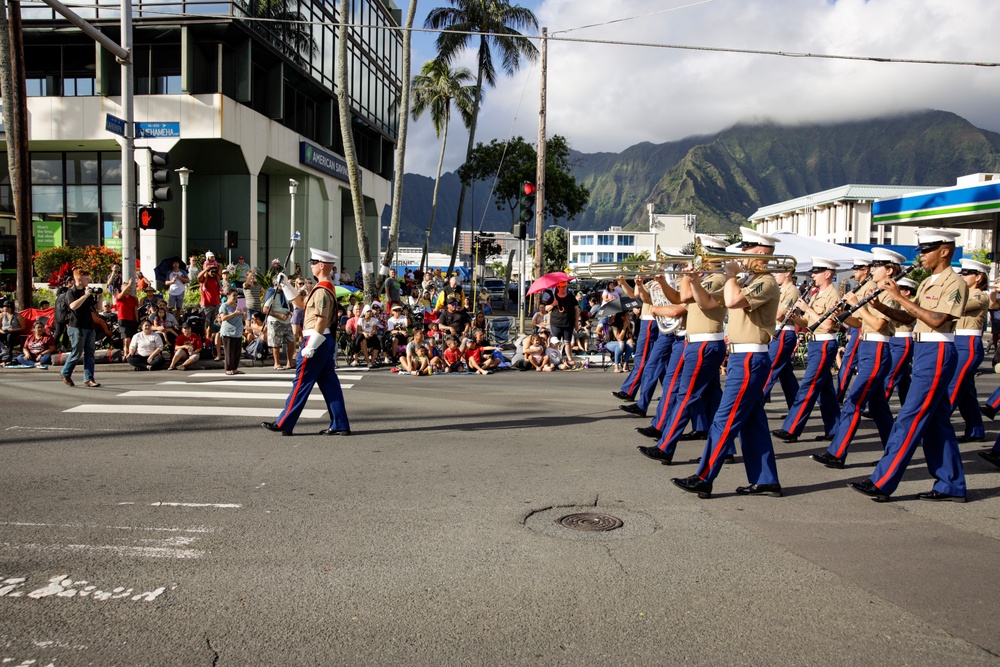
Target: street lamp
x=184 y=176
x=293 y=187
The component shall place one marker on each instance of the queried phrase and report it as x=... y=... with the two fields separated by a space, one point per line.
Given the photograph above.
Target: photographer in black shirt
x=82 y=300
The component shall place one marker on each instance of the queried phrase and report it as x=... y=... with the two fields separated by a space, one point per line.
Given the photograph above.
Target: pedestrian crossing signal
x=150 y=218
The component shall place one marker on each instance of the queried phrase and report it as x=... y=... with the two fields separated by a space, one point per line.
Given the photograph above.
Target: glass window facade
x=583 y=239
x=606 y=239
x=626 y=239
x=605 y=257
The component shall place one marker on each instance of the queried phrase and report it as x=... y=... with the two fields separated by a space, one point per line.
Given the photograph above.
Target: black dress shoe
x=829 y=460
x=330 y=431
x=773 y=490
x=694 y=484
x=694 y=435
x=274 y=428
x=988 y=411
x=971 y=438
x=632 y=409
x=782 y=434
x=828 y=437
x=649 y=431
x=728 y=458
x=992 y=457
x=866 y=414
x=656 y=454
x=867 y=487
x=939 y=497
x=621 y=395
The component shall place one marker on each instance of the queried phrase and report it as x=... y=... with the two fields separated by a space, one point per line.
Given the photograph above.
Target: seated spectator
x=148 y=304
x=187 y=348
x=478 y=357
x=12 y=325
x=620 y=342
x=144 y=353
x=435 y=335
x=454 y=322
x=554 y=352
x=368 y=336
x=38 y=349
x=396 y=334
x=538 y=321
x=435 y=360
x=406 y=361
x=479 y=321
x=534 y=353
x=452 y=356
x=165 y=324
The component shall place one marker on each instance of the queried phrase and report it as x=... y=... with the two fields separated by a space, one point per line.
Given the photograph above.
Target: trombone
x=673 y=264
x=754 y=263
x=663 y=264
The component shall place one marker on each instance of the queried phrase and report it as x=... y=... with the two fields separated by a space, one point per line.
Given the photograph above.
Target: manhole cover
x=591 y=521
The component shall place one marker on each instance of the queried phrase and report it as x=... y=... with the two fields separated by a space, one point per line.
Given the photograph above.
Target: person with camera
x=82 y=300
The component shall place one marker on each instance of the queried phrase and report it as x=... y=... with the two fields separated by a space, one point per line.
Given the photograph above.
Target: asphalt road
x=429 y=537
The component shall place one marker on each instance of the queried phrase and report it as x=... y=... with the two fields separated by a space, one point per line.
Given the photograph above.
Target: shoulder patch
x=955 y=297
x=757 y=289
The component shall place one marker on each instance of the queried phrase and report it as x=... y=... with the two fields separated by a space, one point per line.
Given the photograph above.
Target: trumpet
x=663 y=264
x=756 y=263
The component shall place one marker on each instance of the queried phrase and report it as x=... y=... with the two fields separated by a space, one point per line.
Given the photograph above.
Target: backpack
x=61 y=313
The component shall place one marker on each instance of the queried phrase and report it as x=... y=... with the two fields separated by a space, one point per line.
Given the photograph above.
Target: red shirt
x=452 y=355
x=474 y=353
x=210 y=295
x=194 y=341
x=126 y=308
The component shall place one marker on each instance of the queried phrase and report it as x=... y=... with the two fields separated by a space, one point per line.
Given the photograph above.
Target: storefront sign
x=324 y=161
x=113 y=234
x=48 y=234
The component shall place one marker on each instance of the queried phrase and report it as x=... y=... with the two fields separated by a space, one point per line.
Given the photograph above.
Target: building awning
x=967 y=206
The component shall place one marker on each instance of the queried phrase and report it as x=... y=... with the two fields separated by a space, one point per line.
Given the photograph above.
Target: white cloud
x=606 y=97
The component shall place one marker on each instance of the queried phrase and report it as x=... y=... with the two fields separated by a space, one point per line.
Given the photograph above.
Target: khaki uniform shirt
x=708 y=321
x=822 y=302
x=947 y=294
x=755 y=324
x=976 y=309
x=321 y=303
x=789 y=295
x=890 y=327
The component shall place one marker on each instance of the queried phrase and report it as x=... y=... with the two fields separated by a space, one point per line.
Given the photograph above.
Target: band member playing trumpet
x=752 y=308
x=703 y=353
x=874 y=362
x=817 y=383
x=785 y=340
x=925 y=418
x=969 y=346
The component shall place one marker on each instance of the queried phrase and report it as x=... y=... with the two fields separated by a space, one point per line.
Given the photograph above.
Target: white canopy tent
x=803 y=248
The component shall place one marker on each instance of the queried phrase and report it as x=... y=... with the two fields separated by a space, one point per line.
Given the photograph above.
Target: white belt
x=647 y=318
x=968 y=332
x=698 y=338
x=872 y=337
x=824 y=337
x=680 y=333
x=903 y=334
x=747 y=348
x=788 y=327
x=934 y=337
x=310 y=332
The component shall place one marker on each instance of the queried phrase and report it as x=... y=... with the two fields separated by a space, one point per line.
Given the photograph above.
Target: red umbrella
x=549 y=280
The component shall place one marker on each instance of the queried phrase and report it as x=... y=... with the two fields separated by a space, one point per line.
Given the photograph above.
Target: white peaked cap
x=753 y=236
x=824 y=263
x=886 y=255
x=322 y=256
x=973 y=265
x=931 y=235
x=907 y=282
x=860 y=262
x=711 y=242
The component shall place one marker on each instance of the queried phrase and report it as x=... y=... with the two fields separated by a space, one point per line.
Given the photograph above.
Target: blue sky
x=607 y=97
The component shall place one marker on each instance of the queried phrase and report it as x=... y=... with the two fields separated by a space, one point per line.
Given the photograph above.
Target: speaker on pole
x=231 y=239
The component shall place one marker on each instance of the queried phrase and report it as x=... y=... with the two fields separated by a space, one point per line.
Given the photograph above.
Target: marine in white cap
x=752 y=308
x=969 y=346
x=782 y=348
x=861 y=267
x=316 y=363
x=901 y=348
x=925 y=418
x=874 y=361
x=821 y=353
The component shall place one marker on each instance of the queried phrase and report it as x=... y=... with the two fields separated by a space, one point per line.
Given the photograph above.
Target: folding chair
x=499 y=330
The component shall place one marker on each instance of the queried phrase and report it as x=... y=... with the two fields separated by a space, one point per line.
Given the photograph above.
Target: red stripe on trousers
x=670 y=391
x=812 y=388
x=680 y=408
x=847 y=365
x=962 y=372
x=916 y=420
x=296 y=388
x=857 y=408
x=898 y=370
x=732 y=415
x=645 y=357
x=781 y=347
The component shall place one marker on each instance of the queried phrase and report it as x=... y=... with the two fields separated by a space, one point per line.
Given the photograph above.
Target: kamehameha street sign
x=323 y=161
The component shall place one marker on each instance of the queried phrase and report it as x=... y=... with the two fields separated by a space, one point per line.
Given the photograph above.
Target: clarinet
x=874 y=295
x=792 y=309
x=837 y=306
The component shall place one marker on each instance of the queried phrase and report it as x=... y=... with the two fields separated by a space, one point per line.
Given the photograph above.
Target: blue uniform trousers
x=741 y=412
x=925 y=419
x=702 y=360
x=901 y=351
x=648 y=333
x=671 y=378
x=962 y=389
x=320 y=369
x=781 y=350
x=816 y=384
x=656 y=366
x=874 y=362
x=848 y=365
x=994 y=402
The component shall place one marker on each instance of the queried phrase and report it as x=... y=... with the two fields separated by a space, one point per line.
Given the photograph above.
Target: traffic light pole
x=540 y=175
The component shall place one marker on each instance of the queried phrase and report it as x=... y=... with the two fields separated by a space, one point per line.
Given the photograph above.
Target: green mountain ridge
x=724 y=178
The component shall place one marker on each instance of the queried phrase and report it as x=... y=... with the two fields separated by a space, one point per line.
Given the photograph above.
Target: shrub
x=98 y=259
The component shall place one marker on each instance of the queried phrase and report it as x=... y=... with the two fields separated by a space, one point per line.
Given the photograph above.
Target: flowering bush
x=98 y=259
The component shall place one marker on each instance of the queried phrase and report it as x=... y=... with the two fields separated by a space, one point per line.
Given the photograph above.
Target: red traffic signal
x=529 y=188
x=150 y=218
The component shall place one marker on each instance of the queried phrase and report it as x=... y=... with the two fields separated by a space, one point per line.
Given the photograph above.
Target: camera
x=94 y=289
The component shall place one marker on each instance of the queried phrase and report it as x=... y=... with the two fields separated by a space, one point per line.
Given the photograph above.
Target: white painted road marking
x=315 y=396
x=220 y=505
x=61 y=586
x=269 y=376
x=247 y=384
x=189 y=410
x=89 y=526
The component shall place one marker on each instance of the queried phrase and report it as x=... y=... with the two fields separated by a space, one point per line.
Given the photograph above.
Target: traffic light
x=150 y=218
x=160 y=177
x=525 y=210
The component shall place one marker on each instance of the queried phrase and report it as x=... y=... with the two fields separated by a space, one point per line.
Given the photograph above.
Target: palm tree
x=434 y=89
x=495 y=23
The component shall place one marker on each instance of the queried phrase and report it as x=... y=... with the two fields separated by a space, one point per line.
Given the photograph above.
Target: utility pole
x=540 y=170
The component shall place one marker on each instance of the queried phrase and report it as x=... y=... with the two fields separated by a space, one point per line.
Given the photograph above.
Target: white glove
x=315 y=340
x=281 y=280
